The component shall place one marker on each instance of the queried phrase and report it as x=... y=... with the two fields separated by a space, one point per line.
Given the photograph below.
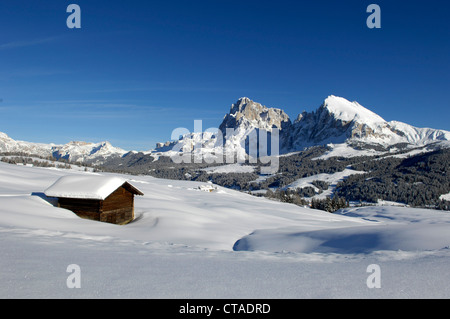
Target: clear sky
x=136 y=70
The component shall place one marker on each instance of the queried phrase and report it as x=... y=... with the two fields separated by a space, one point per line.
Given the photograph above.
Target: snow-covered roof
x=88 y=187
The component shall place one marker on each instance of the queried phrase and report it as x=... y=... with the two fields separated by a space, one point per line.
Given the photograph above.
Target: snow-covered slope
x=395 y=228
x=347 y=111
x=331 y=179
x=418 y=136
x=173 y=211
x=181 y=246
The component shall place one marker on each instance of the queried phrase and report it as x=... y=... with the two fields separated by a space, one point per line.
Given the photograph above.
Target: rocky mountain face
x=238 y=132
x=246 y=124
x=246 y=114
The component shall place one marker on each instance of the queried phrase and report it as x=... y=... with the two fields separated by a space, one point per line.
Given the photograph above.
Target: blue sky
x=136 y=70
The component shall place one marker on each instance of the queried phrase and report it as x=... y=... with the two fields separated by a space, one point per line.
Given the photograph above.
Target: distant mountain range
x=73 y=151
x=347 y=128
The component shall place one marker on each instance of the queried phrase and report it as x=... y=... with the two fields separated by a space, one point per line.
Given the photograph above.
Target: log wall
x=117 y=208
x=84 y=208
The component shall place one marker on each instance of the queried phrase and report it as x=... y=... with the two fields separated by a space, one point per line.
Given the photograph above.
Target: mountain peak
x=244 y=99
x=242 y=104
x=347 y=111
x=246 y=112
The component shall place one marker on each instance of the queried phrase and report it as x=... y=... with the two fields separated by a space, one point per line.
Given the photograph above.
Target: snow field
x=181 y=246
x=331 y=179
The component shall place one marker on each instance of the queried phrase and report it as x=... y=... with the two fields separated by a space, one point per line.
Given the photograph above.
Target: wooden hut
x=103 y=198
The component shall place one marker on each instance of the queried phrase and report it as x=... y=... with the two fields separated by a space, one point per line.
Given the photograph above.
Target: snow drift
x=181 y=245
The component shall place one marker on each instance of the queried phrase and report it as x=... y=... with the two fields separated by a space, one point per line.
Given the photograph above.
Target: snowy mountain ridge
x=339 y=121
x=347 y=128
x=74 y=151
x=336 y=121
